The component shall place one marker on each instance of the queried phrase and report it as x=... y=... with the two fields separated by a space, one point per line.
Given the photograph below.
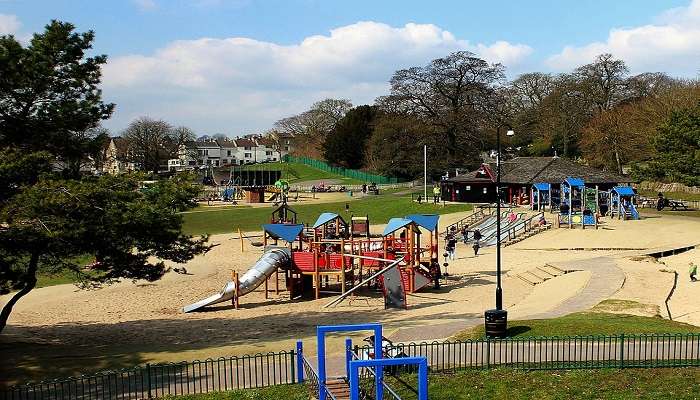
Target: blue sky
x=235 y=66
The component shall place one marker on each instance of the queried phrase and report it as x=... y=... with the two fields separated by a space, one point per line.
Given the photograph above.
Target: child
x=693 y=270
x=450 y=246
x=476 y=247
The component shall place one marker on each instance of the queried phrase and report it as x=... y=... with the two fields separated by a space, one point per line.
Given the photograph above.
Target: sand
x=143 y=322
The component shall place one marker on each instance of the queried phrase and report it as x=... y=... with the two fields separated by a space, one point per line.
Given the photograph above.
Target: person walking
x=450 y=246
x=693 y=271
x=476 y=246
x=465 y=233
x=436 y=194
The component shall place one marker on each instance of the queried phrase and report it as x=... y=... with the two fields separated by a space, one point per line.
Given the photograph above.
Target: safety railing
x=479 y=214
x=168 y=379
x=566 y=352
x=367 y=379
x=524 y=227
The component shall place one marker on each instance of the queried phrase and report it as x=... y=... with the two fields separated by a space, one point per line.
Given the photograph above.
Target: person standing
x=476 y=246
x=436 y=194
x=693 y=271
x=450 y=246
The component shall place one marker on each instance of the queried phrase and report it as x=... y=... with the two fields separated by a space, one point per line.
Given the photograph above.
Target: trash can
x=496 y=323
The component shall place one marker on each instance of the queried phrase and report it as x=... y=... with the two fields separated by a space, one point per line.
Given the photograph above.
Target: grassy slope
x=504 y=383
x=379 y=209
x=286 y=392
x=301 y=172
x=671 y=383
x=589 y=323
x=671 y=195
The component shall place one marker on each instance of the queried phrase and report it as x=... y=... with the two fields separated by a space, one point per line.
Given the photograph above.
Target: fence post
x=348 y=356
x=300 y=362
x=622 y=350
x=488 y=353
x=148 y=380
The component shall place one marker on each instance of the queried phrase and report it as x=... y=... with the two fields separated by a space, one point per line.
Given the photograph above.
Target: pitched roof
x=287 y=232
x=553 y=170
x=395 y=224
x=243 y=142
x=427 y=221
x=227 y=144
x=327 y=217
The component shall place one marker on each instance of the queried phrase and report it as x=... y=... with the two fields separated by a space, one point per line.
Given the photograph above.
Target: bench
x=677 y=205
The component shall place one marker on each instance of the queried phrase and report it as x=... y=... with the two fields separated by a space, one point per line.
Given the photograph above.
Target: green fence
x=349 y=173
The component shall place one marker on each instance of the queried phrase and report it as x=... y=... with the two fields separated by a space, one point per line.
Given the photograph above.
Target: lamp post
x=496 y=320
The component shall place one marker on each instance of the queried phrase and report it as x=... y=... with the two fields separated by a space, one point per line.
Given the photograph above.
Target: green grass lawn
x=379 y=208
x=295 y=173
x=286 y=392
x=589 y=323
x=505 y=383
x=667 y=211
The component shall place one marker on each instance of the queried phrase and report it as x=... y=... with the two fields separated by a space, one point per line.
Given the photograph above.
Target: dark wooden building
x=517 y=177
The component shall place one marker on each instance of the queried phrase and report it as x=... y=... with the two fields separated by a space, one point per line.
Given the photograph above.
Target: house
x=246 y=151
x=116 y=157
x=517 y=177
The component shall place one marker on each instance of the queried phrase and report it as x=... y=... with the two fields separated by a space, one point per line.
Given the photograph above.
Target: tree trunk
x=29 y=284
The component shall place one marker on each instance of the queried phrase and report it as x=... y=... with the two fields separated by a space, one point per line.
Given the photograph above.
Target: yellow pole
x=240 y=236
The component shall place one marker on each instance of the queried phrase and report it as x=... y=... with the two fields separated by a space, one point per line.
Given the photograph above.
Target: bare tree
x=454 y=94
x=604 y=81
x=152 y=142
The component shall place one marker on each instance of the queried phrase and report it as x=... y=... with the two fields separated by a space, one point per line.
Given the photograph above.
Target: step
x=339 y=388
x=532 y=277
x=526 y=280
x=543 y=277
x=549 y=273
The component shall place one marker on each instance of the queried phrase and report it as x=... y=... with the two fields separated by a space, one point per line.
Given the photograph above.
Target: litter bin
x=496 y=323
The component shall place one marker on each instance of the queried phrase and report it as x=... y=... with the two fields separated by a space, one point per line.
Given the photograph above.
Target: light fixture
x=510 y=133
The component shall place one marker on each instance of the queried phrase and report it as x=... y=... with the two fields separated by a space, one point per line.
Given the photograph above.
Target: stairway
x=339 y=388
x=539 y=275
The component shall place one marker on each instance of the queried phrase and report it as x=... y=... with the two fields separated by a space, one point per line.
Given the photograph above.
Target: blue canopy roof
x=574 y=182
x=325 y=218
x=624 y=190
x=288 y=232
x=542 y=187
x=427 y=221
x=395 y=224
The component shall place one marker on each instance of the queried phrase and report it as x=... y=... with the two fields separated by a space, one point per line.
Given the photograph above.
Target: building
x=116 y=157
x=517 y=177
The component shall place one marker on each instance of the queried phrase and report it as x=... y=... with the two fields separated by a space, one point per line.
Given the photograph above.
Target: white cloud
x=9 y=24
x=671 y=44
x=240 y=84
x=145 y=5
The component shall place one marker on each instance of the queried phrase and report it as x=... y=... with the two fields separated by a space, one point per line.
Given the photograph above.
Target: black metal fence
x=159 y=380
x=567 y=352
x=260 y=370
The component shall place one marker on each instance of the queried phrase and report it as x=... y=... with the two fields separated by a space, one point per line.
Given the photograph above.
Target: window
x=248 y=155
x=268 y=153
x=200 y=152
x=206 y=152
x=228 y=153
x=208 y=162
x=216 y=163
x=287 y=142
x=468 y=187
x=286 y=148
x=247 y=148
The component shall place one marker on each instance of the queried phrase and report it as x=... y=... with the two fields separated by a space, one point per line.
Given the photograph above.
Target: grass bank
x=379 y=208
x=295 y=173
x=589 y=323
x=613 y=384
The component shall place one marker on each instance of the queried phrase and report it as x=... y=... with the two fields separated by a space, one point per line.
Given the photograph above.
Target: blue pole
x=348 y=355
x=354 y=383
x=378 y=371
x=300 y=362
x=320 y=338
x=423 y=380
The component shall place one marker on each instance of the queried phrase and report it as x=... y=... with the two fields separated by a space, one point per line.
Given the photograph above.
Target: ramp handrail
x=471 y=219
x=525 y=226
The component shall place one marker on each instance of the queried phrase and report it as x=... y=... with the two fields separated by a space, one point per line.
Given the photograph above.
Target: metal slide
x=254 y=277
x=506 y=226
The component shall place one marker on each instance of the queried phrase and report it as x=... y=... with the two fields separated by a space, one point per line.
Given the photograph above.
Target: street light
x=496 y=320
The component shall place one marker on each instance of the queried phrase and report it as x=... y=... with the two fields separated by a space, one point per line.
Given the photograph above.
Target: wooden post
x=240 y=236
x=266 y=285
x=277 y=282
x=317 y=276
x=342 y=265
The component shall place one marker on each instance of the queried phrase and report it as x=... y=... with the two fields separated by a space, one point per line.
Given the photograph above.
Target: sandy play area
x=131 y=323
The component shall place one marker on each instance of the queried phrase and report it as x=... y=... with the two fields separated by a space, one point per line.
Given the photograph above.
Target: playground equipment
x=376 y=363
x=541 y=196
x=270 y=262
x=579 y=205
x=328 y=258
x=621 y=203
x=359 y=226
